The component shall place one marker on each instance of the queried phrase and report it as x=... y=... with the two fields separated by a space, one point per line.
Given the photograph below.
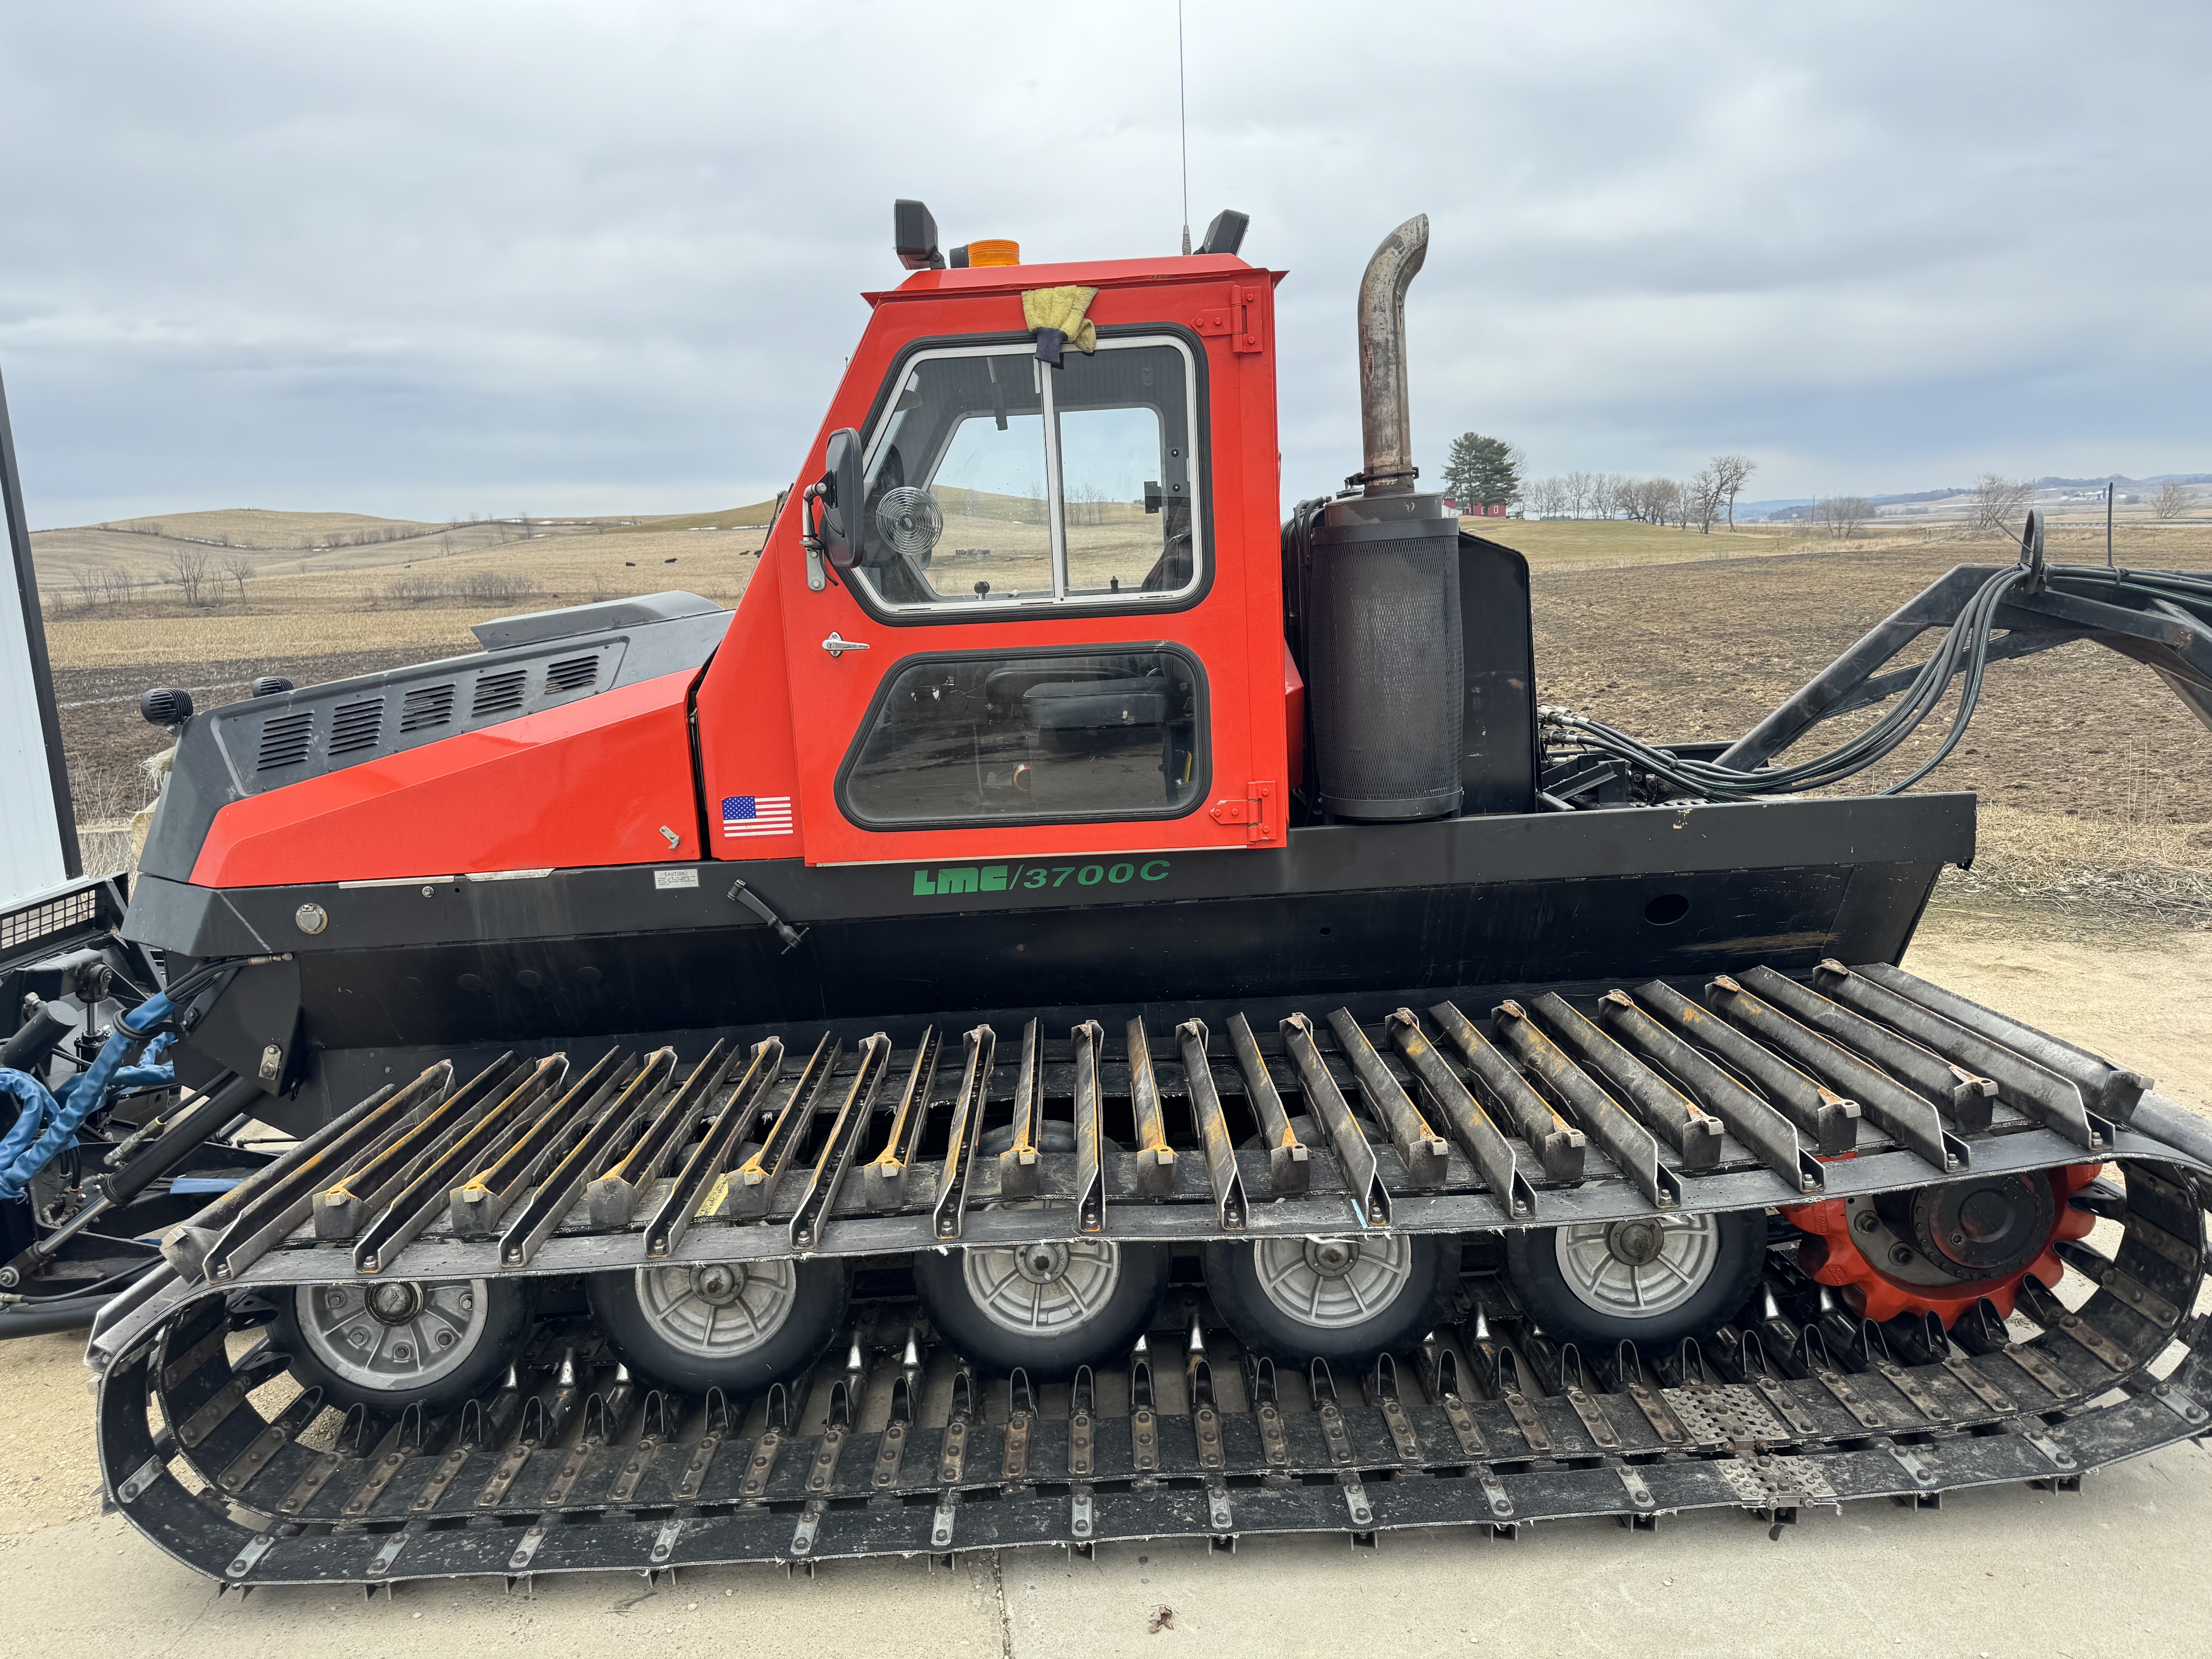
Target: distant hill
x=733 y=518
x=255 y=528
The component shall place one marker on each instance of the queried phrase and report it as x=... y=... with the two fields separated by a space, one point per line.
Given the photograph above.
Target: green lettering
x=1156 y=871
x=1037 y=878
x=994 y=878
x=1061 y=874
x=923 y=887
x=1121 y=872
x=1091 y=874
x=956 y=881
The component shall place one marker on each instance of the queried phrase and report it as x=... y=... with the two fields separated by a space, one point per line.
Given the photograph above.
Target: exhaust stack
x=1384 y=647
x=1385 y=423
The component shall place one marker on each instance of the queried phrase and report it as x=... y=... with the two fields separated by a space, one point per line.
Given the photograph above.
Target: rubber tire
x=506 y=1322
x=823 y=1289
x=942 y=1279
x=1232 y=1280
x=1531 y=1262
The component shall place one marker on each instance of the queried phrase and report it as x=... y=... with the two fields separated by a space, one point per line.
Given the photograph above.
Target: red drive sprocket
x=1939 y=1249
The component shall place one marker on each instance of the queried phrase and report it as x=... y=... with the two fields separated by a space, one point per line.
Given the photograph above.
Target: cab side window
x=1001 y=738
x=994 y=481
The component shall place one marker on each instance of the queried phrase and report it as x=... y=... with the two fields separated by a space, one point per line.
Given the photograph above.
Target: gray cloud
x=428 y=259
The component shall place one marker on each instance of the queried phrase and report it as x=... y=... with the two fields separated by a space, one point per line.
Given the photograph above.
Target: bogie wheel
x=1651 y=1281
x=737 y=1326
x=1046 y=1307
x=1344 y=1300
x=390 y=1344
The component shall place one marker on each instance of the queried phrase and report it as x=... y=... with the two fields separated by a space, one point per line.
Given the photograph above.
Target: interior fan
x=910 y=520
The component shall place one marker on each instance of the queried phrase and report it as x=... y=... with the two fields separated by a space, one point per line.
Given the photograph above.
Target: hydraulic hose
x=44 y=1316
x=1969 y=637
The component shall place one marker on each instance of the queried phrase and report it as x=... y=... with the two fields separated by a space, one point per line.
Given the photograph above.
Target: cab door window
x=1006 y=738
x=994 y=481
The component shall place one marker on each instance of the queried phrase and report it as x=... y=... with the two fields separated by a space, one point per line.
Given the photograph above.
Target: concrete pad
x=2117 y=1570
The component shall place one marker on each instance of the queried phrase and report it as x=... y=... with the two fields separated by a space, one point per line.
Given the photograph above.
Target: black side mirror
x=840 y=499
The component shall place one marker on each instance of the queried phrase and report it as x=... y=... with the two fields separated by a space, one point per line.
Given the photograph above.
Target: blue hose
x=46 y=1122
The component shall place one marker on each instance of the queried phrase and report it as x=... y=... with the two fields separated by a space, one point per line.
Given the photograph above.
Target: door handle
x=837 y=647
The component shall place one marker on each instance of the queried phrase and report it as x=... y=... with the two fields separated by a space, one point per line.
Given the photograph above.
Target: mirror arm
x=810 y=537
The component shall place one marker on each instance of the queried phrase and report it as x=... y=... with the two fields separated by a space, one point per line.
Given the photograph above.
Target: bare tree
x=1841 y=515
x=237 y=567
x=2171 y=500
x=1996 y=500
x=1731 y=473
x=1702 y=500
x=188 y=570
x=90 y=586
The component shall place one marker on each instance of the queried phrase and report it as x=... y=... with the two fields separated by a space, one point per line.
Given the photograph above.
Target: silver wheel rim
x=1333 y=1283
x=1638 y=1269
x=394 y=1334
x=1043 y=1290
x=720 y=1309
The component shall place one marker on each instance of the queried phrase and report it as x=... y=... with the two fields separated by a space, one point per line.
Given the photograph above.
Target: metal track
x=890 y=1448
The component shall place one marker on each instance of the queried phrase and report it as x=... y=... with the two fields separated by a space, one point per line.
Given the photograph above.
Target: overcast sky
x=428 y=259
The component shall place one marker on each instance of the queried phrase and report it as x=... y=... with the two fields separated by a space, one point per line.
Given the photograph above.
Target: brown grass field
x=2096 y=783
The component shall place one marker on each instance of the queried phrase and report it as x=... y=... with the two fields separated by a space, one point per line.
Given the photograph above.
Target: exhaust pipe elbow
x=1385 y=423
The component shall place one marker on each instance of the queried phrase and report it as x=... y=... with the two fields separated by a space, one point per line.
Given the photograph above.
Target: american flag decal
x=756 y=815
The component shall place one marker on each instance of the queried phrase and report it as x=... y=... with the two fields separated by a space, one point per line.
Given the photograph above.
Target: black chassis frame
x=1362 y=916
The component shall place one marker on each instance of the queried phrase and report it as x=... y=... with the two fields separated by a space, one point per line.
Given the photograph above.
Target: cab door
x=1044 y=652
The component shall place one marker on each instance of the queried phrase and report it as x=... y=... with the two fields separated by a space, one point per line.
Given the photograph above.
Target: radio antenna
x=1182 y=112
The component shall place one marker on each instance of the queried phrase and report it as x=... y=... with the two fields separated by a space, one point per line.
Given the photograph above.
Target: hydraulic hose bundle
x=46 y=1121
x=1964 y=649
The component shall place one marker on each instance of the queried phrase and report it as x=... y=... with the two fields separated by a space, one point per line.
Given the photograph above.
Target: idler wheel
x=390 y=1343
x=737 y=1326
x=1942 y=1247
x=1649 y=1280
